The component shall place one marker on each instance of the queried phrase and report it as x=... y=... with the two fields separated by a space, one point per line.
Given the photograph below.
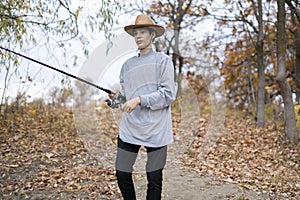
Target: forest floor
x=44 y=155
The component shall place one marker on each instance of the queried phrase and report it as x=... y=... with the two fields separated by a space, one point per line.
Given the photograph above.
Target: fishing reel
x=115 y=102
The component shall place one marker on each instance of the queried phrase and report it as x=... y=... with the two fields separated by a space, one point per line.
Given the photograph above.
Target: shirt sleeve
x=165 y=94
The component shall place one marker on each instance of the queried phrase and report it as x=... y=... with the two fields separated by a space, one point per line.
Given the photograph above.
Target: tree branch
x=293 y=8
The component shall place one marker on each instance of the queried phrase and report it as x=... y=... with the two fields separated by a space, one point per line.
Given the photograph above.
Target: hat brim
x=157 y=28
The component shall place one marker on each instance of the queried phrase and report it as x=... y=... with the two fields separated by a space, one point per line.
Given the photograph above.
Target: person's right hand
x=130 y=105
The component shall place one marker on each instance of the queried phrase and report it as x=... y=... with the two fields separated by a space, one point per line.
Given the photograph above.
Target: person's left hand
x=130 y=105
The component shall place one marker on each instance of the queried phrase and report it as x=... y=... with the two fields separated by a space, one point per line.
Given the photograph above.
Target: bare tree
x=261 y=67
x=290 y=120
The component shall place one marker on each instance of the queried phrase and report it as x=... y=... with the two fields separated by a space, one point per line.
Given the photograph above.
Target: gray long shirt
x=150 y=76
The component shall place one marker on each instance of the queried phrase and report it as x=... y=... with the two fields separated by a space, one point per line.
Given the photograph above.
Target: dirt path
x=182 y=183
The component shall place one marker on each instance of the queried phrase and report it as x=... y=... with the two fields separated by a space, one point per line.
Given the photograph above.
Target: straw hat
x=144 y=21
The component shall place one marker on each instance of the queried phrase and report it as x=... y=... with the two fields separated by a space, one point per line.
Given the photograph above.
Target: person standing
x=148 y=88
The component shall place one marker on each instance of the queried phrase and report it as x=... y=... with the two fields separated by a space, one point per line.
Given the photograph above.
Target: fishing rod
x=58 y=70
x=112 y=103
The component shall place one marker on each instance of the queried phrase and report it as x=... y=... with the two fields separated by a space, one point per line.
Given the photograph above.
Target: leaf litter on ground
x=259 y=159
x=42 y=156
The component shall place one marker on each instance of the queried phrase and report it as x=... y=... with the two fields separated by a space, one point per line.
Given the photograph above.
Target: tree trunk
x=251 y=93
x=289 y=114
x=296 y=75
x=297 y=66
x=261 y=70
x=176 y=58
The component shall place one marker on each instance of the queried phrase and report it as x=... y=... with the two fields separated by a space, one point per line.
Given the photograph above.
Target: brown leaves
x=43 y=157
x=254 y=158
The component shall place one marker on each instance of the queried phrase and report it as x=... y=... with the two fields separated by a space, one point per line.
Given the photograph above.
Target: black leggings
x=156 y=160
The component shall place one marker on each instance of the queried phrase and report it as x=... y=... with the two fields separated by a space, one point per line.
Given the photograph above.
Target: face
x=143 y=37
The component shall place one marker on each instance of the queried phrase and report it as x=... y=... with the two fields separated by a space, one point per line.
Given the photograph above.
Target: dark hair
x=151 y=30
